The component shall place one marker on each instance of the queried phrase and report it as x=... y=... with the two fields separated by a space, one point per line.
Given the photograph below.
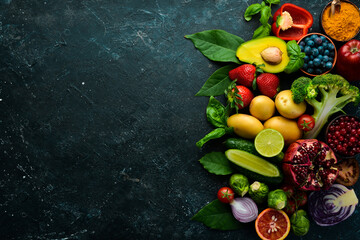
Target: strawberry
x=244 y=75
x=239 y=96
x=268 y=84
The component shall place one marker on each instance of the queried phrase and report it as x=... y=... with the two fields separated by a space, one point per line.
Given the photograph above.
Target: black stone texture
x=98 y=119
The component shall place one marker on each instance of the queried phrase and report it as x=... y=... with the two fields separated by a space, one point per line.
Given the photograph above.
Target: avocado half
x=249 y=52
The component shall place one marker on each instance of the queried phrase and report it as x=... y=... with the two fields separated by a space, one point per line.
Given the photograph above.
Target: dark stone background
x=98 y=119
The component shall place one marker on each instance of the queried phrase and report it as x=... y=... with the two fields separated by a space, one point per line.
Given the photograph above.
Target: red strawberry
x=268 y=84
x=244 y=74
x=246 y=97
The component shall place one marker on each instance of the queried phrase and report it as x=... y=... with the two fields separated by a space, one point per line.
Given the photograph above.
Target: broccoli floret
x=327 y=94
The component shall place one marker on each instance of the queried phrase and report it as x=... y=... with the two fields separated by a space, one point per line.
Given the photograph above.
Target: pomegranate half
x=310 y=165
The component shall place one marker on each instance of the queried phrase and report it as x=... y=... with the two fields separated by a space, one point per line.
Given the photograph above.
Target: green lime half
x=269 y=142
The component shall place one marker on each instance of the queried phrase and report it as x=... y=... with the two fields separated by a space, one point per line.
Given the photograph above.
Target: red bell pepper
x=348 y=60
x=300 y=21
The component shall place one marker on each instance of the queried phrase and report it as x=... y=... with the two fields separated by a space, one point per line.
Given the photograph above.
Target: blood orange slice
x=272 y=224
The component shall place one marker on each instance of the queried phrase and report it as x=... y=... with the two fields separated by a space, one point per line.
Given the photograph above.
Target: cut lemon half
x=269 y=142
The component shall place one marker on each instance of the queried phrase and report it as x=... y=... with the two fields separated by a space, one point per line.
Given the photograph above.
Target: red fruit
x=246 y=96
x=290 y=207
x=226 y=195
x=268 y=84
x=244 y=75
x=300 y=198
x=309 y=164
x=348 y=60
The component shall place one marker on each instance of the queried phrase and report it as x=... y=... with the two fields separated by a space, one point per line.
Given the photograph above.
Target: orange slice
x=272 y=224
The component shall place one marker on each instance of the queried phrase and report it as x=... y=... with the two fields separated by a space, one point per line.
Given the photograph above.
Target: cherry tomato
x=306 y=122
x=225 y=195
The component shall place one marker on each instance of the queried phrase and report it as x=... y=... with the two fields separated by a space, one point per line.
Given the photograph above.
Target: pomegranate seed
x=352 y=139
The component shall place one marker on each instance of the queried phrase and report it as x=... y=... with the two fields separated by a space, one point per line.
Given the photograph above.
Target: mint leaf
x=218 y=82
x=216 y=163
x=217 y=45
x=217 y=215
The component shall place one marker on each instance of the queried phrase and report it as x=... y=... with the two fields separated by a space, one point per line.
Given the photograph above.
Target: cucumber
x=248 y=146
x=254 y=167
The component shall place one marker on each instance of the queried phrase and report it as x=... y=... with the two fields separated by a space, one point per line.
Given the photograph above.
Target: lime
x=269 y=142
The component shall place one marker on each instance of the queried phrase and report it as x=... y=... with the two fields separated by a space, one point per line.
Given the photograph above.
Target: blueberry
x=318 y=71
x=332 y=54
x=310 y=63
x=331 y=59
x=305 y=66
x=321 y=49
x=326 y=52
x=315 y=52
x=310 y=70
x=320 y=57
x=328 y=65
x=310 y=43
x=318 y=40
x=307 y=50
x=317 y=62
x=331 y=46
x=302 y=43
x=306 y=58
x=325 y=43
x=326 y=58
x=312 y=57
x=323 y=38
x=301 y=48
x=314 y=36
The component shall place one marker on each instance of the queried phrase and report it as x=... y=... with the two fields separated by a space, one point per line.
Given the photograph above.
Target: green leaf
x=272 y=1
x=216 y=133
x=252 y=10
x=217 y=45
x=296 y=57
x=217 y=215
x=262 y=31
x=215 y=113
x=294 y=65
x=265 y=14
x=218 y=82
x=293 y=48
x=216 y=163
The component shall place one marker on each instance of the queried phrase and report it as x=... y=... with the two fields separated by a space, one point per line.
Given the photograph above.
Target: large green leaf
x=217 y=45
x=216 y=163
x=217 y=215
x=217 y=83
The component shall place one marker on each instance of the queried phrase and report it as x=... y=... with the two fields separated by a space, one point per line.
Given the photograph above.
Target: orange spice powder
x=342 y=25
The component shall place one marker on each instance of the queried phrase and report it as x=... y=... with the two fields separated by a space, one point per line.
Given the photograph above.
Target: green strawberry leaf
x=216 y=163
x=217 y=215
x=217 y=45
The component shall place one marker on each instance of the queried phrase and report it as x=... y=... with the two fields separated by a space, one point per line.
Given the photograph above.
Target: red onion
x=332 y=206
x=244 y=209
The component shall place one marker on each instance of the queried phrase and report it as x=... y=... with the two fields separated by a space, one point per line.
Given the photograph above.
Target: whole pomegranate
x=310 y=165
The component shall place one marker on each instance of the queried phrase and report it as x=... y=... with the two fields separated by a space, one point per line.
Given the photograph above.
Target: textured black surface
x=98 y=119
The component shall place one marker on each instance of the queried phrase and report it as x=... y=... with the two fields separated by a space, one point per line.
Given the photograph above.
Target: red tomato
x=225 y=195
x=306 y=122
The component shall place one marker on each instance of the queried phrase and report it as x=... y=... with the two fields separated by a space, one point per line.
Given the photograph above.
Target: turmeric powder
x=343 y=25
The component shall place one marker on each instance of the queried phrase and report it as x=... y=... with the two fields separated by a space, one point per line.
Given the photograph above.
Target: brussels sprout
x=239 y=183
x=258 y=192
x=299 y=223
x=277 y=199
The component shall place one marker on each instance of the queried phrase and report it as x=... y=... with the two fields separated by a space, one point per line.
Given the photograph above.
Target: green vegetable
x=218 y=82
x=327 y=94
x=217 y=45
x=258 y=192
x=300 y=224
x=296 y=57
x=254 y=167
x=277 y=199
x=217 y=215
x=214 y=134
x=239 y=183
x=215 y=113
x=248 y=146
x=217 y=163
x=265 y=13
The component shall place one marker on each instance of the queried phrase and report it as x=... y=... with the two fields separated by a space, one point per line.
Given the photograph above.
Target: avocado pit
x=272 y=55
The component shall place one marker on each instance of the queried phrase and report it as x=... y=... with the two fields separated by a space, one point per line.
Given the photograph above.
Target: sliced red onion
x=329 y=207
x=244 y=209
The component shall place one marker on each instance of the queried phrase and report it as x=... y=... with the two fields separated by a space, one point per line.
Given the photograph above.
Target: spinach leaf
x=265 y=14
x=262 y=31
x=217 y=215
x=252 y=10
x=296 y=57
x=215 y=113
x=217 y=45
x=218 y=82
x=216 y=133
x=216 y=163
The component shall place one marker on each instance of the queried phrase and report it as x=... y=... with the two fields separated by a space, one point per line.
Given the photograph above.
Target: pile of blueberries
x=320 y=53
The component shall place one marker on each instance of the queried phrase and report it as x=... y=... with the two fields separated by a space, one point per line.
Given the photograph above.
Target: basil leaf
x=252 y=10
x=215 y=113
x=272 y=1
x=218 y=82
x=217 y=45
x=216 y=163
x=262 y=31
x=265 y=14
x=217 y=215
x=216 y=133
x=296 y=57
